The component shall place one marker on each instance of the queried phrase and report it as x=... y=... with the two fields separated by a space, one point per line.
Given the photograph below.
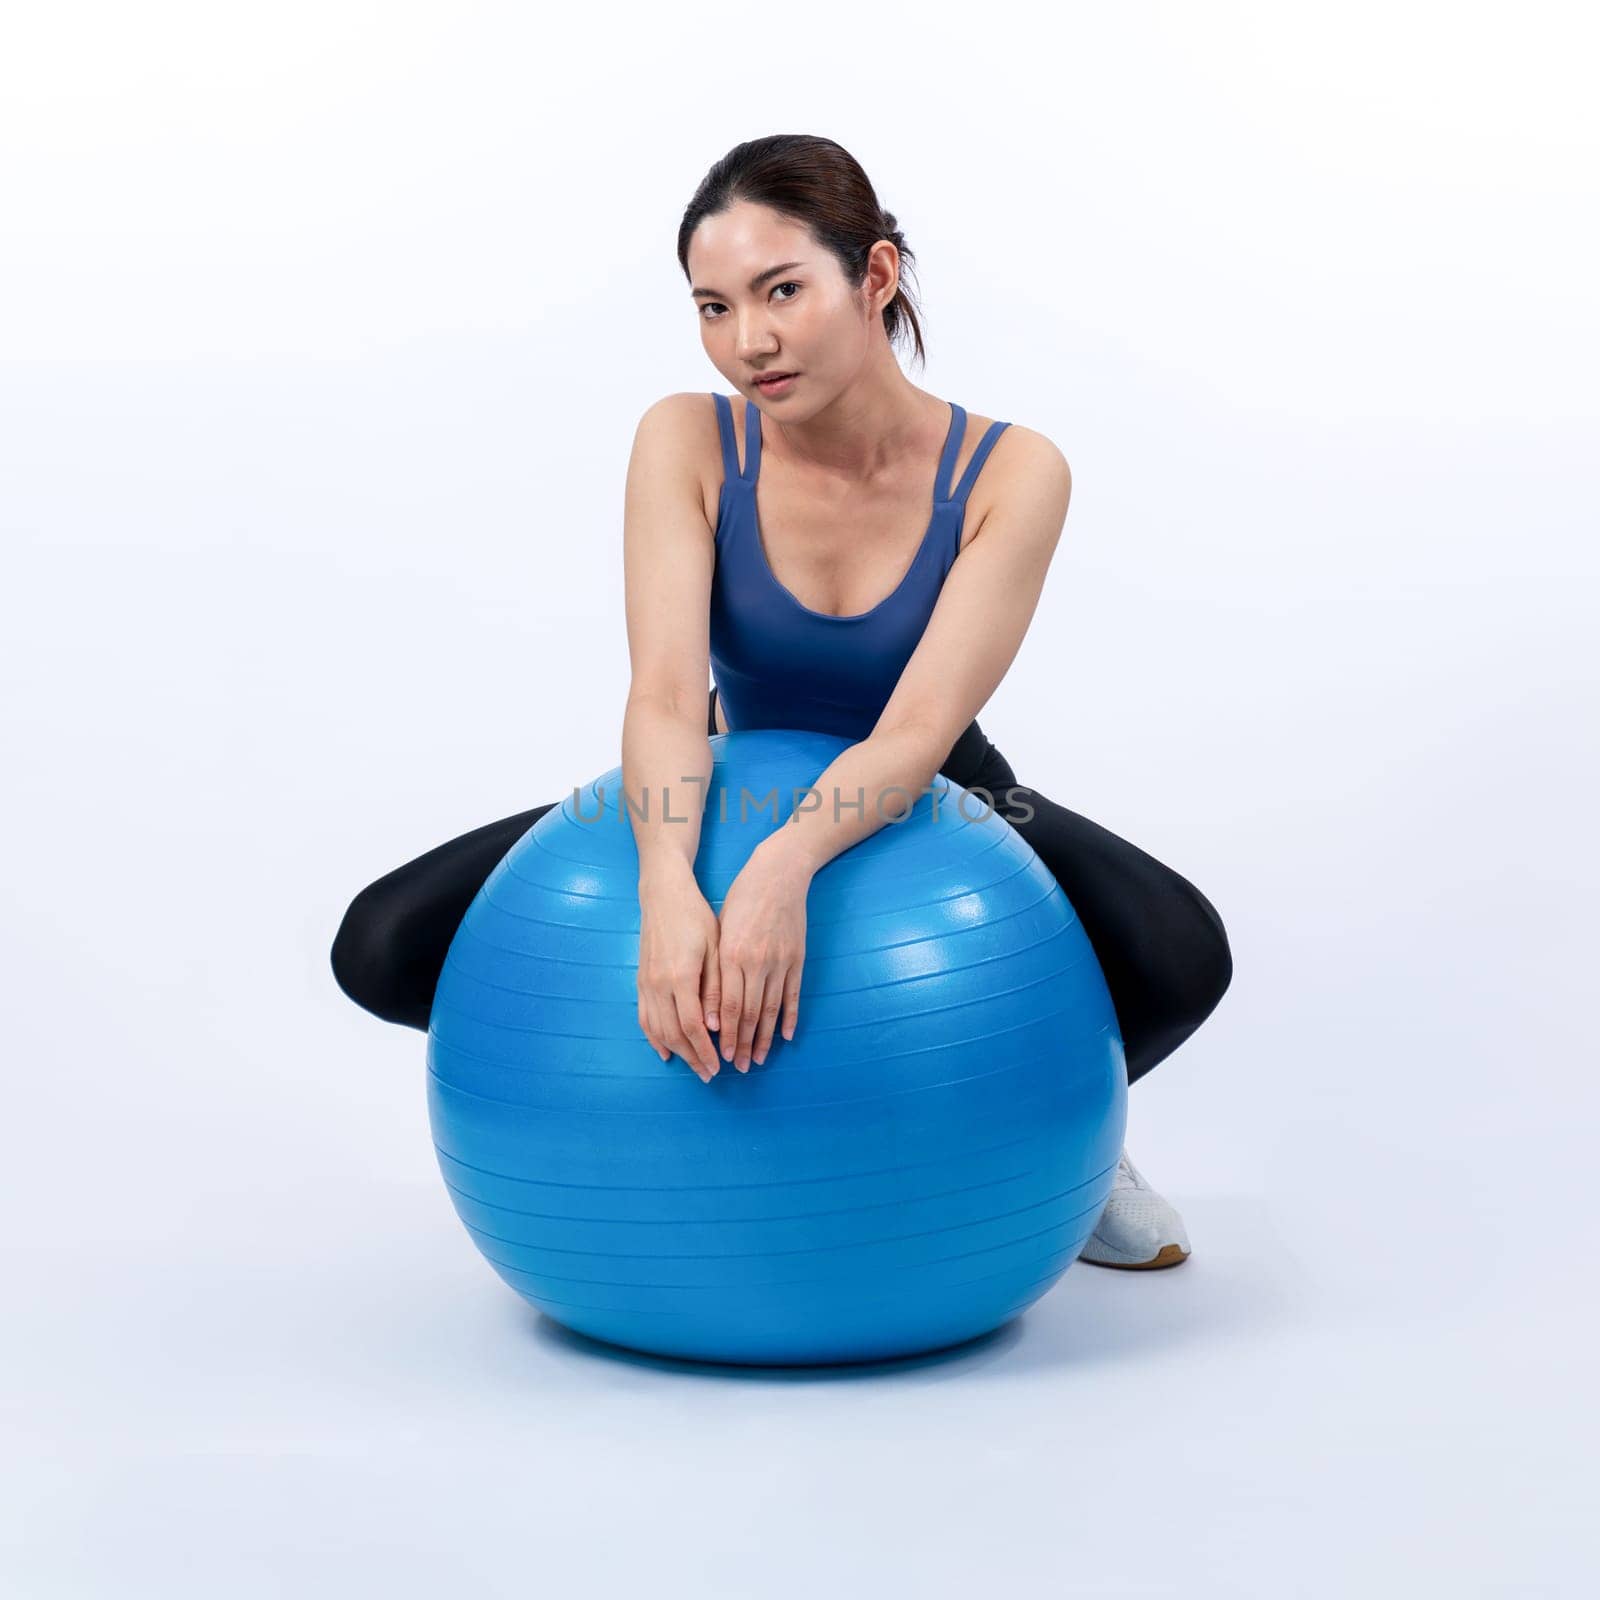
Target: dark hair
x=818 y=183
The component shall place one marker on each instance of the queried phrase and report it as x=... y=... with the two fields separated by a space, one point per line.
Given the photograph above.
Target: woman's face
x=802 y=318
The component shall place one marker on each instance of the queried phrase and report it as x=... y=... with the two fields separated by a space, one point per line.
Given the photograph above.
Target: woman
x=784 y=541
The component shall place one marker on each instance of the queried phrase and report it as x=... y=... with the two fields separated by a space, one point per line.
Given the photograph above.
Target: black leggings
x=1160 y=942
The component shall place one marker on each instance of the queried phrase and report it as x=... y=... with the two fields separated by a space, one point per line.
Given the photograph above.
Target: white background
x=325 y=329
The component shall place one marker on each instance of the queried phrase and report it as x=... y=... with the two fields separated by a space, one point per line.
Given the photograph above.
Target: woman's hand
x=678 y=938
x=762 y=949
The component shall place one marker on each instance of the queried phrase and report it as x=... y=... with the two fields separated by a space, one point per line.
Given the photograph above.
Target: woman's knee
x=396 y=934
x=1168 y=964
x=1180 y=983
x=1197 y=964
x=369 y=960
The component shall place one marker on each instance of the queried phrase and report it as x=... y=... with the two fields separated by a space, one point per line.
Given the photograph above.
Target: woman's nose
x=754 y=342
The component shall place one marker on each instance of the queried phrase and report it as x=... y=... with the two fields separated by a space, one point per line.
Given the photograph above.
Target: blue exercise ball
x=920 y=1163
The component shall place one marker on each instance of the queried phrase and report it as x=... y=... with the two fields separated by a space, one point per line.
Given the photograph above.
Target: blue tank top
x=779 y=664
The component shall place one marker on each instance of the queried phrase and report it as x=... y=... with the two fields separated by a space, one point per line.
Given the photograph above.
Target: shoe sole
x=1169 y=1255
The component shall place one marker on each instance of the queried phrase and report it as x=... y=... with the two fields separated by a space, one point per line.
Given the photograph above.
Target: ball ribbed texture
x=919 y=1164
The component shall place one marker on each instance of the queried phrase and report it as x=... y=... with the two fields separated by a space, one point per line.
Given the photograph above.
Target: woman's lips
x=778 y=384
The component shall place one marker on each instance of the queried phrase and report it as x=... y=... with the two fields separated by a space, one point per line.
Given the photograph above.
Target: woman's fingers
x=663 y=1029
x=732 y=1004
x=750 y=1007
x=669 y=1039
x=691 y=1024
x=750 y=1017
x=745 y=1005
x=791 y=1001
x=782 y=1004
x=673 y=1036
x=711 y=988
x=652 y=1030
x=771 y=1005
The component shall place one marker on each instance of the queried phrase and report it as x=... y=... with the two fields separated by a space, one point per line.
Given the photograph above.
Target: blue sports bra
x=779 y=664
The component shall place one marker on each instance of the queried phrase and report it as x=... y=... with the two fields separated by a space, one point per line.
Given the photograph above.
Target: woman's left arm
x=984 y=608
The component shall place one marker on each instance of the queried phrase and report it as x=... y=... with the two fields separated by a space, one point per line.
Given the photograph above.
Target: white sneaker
x=1137 y=1229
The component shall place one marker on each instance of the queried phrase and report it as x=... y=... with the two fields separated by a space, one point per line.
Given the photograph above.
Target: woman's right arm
x=668 y=558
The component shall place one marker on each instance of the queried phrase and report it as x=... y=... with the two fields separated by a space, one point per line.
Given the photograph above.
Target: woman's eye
x=717 y=305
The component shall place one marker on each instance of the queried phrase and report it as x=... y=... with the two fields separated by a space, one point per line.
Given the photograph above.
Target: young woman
x=847 y=553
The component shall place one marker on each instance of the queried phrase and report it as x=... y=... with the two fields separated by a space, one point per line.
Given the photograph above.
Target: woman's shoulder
x=685 y=411
x=1025 y=465
x=1022 y=448
x=1023 y=488
x=688 y=419
x=681 y=428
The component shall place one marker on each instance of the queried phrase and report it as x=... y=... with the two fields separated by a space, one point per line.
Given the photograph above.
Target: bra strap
x=730 y=448
x=752 y=441
x=730 y=454
x=952 y=448
x=979 y=456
